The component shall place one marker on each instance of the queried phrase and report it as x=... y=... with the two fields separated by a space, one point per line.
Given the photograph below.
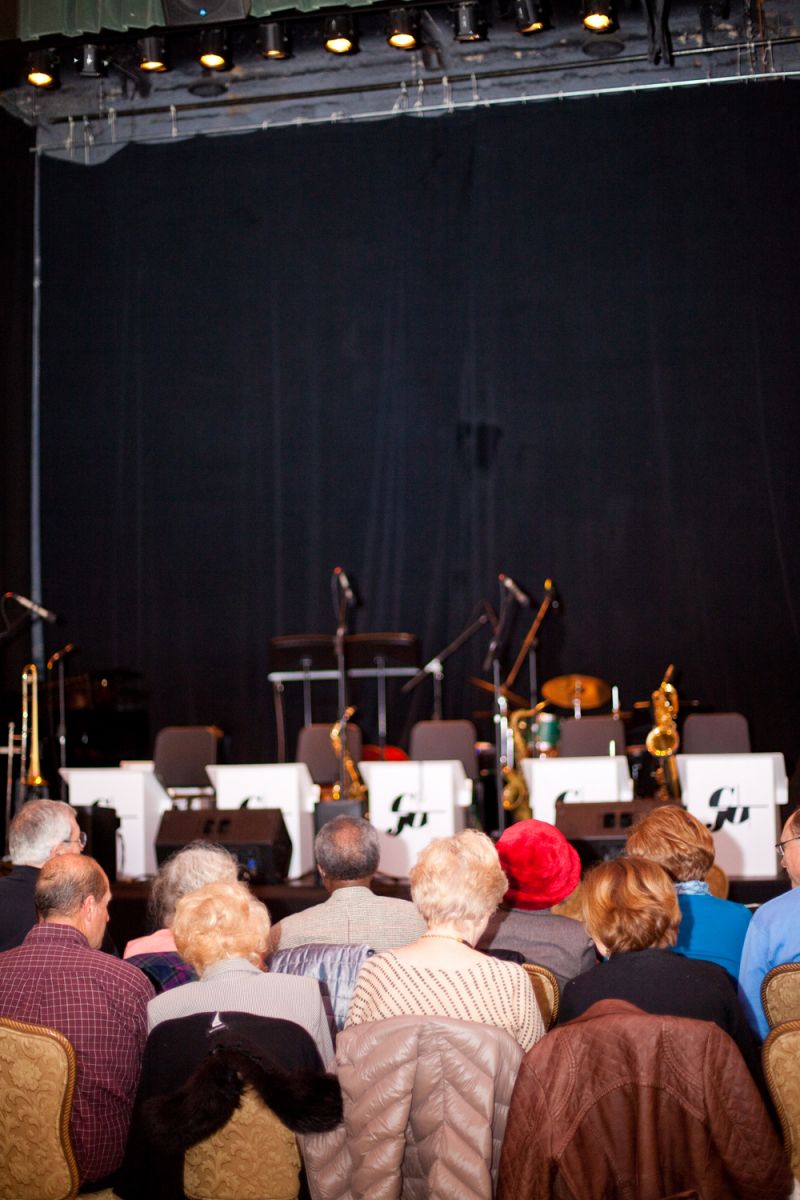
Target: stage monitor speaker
x=599 y=831
x=258 y=838
x=327 y=810
x=100 y=824
x=203 y=12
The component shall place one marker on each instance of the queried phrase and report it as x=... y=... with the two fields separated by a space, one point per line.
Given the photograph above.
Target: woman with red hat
x=542 y=870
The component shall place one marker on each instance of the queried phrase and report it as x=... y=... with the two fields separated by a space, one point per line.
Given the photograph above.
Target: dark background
x=549 y=340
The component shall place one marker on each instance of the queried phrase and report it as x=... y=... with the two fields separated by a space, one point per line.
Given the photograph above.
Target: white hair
x=185 y=871
x=37 y=829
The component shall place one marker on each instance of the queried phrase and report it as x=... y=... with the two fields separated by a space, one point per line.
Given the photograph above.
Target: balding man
x=58 y=978
x=347 y=853
x=41 y=829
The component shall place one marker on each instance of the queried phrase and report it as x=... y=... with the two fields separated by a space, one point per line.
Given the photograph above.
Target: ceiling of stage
x=86 y=119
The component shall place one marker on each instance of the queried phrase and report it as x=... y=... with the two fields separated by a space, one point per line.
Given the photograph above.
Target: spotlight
x=402 y=29
x=214 y=54
x=152 y=54
x=273 y=40
x=598 y=16
x=339 y=33
x=90 y=61
x=42 y=71
x=469 y=22
x=531 y=16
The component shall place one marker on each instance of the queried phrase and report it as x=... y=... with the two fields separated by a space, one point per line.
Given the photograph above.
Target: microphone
x=344 y=583
x=550 y=588
x=44 y=613
x=521 y=597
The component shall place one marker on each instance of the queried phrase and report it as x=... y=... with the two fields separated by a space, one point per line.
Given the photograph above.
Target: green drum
x=547 y=732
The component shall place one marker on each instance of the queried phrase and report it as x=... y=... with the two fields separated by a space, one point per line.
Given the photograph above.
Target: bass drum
x=547 y=731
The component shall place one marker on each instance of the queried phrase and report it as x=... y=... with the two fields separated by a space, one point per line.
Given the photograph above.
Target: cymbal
x=512 y=697
x=565 y=689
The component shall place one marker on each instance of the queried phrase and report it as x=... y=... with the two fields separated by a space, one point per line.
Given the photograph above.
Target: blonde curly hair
x=218 y=921
x=458 y=879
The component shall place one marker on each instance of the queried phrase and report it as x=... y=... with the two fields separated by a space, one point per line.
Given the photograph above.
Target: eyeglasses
x=780 y=845
x=80 y=840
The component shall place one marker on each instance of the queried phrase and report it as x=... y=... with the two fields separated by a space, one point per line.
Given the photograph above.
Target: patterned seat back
x=780 y=1057
x=546 y=990
x=253 y=1157
x=780 y=994
x=37 y=1081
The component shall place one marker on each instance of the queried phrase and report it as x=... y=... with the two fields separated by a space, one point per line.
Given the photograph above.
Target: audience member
x=631 y=911
x=542 y=869
x=774 y=933
x=222 y=930
x=710 y=928
x=41 y=829
x=57 y=978
x=347 y=853
x=456 y=884
x=183 y=872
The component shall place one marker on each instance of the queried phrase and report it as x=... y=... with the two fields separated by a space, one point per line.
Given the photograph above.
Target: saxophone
x=516 y=798
x=354 y=788
x=663 y=739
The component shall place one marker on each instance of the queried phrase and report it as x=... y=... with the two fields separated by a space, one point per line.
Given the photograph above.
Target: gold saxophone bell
x=30 y=768
x=354 y=786
x=663 y=739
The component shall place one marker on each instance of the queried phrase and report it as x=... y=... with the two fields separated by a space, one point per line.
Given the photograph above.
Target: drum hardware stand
x=435 y=667
x=57 y=660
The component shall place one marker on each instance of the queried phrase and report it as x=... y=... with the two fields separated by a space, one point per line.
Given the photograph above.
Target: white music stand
x=601 y=779
x=410 y=803
x=737 y=796
x=287 y=786
x=139 y=801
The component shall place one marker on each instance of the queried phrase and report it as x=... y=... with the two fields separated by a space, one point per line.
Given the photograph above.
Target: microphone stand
x=435 y=667
x=500 y=703
x=57 y=660
x=528 y=647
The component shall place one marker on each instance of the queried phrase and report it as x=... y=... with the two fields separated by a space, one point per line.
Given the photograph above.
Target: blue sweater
x=713 y=930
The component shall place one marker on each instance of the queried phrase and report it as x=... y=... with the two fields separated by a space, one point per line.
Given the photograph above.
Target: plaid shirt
x=100 y=1004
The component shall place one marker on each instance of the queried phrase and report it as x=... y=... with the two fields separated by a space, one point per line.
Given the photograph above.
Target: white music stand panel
x=410 y=803
x=139 y=801
x=575 y=781
x=737 y=796
x=287 y=786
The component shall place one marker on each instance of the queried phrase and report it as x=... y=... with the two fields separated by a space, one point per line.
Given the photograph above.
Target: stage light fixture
x=214 y=54
x=90 y=60
x=42 y=70
x=469 y=22
x=598 y=16
x=152 y=54
x=532 y=16
x=273 y=40
x=339 y=33
x=402 y=29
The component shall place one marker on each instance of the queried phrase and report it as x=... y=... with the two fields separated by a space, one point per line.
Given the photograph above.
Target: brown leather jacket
x=623 y=1105
x=425 y=1106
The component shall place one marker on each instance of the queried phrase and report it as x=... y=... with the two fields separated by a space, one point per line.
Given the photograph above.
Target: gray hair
x=185 y=871
x=347 y=848
x=37 y=829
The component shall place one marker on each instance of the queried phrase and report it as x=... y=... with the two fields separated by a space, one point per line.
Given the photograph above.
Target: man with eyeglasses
x=773 y=936
x=42 y=829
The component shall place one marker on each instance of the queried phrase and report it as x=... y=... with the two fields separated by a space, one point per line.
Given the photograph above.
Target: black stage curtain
x=549 y=340
x=16 y=257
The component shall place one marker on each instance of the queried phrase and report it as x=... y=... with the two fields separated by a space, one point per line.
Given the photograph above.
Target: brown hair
x=220 y=920
x=630 y=904
x=65 y=882
x=674 y=838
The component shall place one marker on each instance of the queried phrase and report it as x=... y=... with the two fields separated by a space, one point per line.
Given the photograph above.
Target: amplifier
x=258 y=838
x=100 y=824
x=599 y=831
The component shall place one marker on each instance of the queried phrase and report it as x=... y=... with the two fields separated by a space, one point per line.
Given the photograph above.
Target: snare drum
x=547 y=733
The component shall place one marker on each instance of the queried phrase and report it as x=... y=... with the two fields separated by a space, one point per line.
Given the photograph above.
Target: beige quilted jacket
x=425 y=1106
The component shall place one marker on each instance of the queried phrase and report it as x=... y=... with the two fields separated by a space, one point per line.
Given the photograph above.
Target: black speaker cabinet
x=203 y=12
x=100 y=824
x=599 y=831
x=328 y=809
x=258 y=837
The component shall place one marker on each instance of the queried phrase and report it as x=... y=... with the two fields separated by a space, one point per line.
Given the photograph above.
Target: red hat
x=542 y=868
